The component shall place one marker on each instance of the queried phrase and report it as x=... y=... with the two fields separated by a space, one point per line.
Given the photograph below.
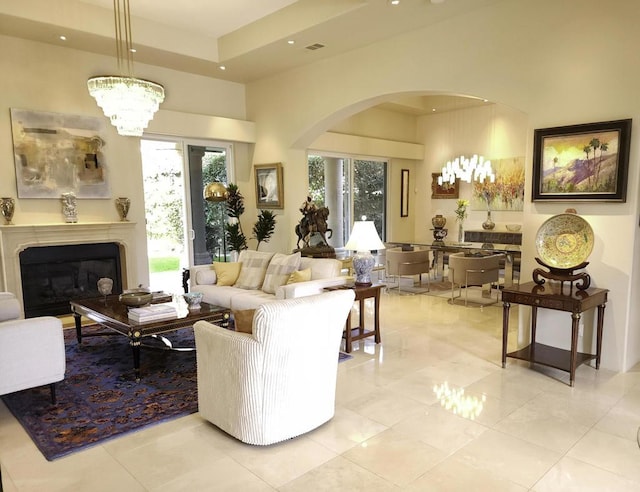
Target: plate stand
x=582 y=280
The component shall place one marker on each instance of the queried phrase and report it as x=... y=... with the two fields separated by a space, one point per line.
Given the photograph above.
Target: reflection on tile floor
x=512 y=429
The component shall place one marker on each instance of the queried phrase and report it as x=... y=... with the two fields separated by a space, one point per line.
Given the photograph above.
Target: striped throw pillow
x=254 y=268
x=280 y=268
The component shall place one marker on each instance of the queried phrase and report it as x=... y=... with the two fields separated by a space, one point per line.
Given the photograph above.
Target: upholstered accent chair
x=31 y=350
x=279 y=381
x=467 y=271
x=403 y=263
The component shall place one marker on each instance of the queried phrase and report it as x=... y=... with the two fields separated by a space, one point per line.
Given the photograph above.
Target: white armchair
x=31 y=350
x=278 y=382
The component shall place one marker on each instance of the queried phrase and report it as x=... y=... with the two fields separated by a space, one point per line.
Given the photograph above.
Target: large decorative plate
x=564 y=241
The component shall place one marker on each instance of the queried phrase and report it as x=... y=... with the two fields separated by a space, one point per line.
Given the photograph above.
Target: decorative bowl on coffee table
x=193 y=299
x=136 y=297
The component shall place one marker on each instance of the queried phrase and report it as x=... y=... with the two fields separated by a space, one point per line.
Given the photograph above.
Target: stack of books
x=153 y=312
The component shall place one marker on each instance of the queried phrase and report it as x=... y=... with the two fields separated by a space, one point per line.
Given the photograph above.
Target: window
x=350 y=188
x=182 y=228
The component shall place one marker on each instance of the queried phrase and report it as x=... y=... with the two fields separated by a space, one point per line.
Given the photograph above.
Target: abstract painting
x=507 y=192
x=57 y=153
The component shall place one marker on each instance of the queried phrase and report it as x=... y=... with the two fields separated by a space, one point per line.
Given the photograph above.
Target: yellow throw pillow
x=227 y=273
x=300 y=276
x=243 y=320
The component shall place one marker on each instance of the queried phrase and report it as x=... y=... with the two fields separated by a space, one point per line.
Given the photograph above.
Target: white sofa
x=31 y=350
x=279 y=381
x=325 y=272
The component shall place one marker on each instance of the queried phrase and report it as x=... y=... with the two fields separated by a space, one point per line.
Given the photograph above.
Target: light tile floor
x=390 y=431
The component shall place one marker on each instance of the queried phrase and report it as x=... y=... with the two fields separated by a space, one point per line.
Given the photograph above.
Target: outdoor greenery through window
x=361 y=186
x=181 y=232
x=214 y=168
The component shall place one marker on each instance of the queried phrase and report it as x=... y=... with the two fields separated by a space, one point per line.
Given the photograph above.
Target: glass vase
x=460 y=232
x=488 y=224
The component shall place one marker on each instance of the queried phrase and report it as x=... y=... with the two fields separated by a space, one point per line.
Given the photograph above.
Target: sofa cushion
x=278 y=272
x=321 y=267
x=249 y=299
x=254 y=268
x=243 y=320
x=218 y=295
x=299 y=276
x=206 y=276
x=227 y=273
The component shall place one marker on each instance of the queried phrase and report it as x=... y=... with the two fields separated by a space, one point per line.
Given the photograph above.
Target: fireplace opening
x=53 y=275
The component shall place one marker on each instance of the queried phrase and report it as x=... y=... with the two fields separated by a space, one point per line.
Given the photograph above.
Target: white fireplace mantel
x=17 y=238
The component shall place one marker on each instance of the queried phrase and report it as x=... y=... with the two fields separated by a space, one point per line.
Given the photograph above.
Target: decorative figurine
x=122 y=205
x=69 y=207
x=7 y=207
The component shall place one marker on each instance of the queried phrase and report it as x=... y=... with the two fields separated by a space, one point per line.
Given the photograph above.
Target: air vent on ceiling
x=315 y=46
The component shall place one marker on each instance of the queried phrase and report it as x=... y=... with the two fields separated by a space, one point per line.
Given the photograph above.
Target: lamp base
x=363 y=263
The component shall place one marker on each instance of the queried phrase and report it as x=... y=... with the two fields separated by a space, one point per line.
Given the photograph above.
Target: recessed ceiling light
x=222 y=67
x=394 y=2
x=433 y=110
x=133 y=50
x=63 y=38
x=291 y=41
x=485 y=100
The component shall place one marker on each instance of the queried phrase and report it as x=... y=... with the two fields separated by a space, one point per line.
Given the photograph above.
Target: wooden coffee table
x=112 y=314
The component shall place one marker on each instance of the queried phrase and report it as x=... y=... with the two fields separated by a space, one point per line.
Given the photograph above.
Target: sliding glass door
x=351 y=188
x=182 y=228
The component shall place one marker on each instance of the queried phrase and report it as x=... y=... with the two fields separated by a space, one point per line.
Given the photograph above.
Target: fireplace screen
x=53 y=275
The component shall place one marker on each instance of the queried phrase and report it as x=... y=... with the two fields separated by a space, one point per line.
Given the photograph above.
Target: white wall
x=553 y=61
x=43 y=77
x=495 y=131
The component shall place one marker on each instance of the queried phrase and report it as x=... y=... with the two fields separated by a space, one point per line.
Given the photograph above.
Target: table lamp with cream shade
x=364 y=239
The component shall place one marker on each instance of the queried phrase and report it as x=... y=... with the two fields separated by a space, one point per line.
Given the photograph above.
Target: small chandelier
x=128 y=102
x=466 y=169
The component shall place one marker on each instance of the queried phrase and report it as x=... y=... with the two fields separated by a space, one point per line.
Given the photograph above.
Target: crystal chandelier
x=128 y=102
x=466 y=169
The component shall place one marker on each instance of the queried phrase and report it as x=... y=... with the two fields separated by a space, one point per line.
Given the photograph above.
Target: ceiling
x=249 y=38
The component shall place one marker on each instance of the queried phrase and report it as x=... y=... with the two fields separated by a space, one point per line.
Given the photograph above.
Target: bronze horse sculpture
x=314 y=220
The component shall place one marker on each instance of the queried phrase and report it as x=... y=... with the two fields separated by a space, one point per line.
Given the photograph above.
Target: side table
x=362 y=293
x=550 y=296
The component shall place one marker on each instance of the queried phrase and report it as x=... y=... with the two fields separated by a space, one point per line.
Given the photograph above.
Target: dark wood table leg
x=534 y=329
x=135 y=346
x=361 y=327
x=77 y=319
x=505 y=331
x=599 y=334
x=575 y=327
x=347 y=341
x=376 y=318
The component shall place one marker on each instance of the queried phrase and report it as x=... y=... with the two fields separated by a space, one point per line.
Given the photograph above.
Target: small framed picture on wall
x=445 y=190
x=404 y=193
x=269 y=189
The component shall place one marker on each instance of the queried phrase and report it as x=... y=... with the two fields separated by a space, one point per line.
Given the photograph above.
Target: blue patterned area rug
x=343 y=357
x=99 y=398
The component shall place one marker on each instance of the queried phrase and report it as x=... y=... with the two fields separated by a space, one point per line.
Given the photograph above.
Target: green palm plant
x=264 y=227
x=236 y=239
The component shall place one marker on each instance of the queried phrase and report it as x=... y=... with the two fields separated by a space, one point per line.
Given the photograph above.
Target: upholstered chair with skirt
x=279 y=381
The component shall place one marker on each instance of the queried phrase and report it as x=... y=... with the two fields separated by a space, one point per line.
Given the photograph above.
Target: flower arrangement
x=461 y=211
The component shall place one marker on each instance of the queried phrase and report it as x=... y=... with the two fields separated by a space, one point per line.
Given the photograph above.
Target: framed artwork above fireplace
x=57 y=153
